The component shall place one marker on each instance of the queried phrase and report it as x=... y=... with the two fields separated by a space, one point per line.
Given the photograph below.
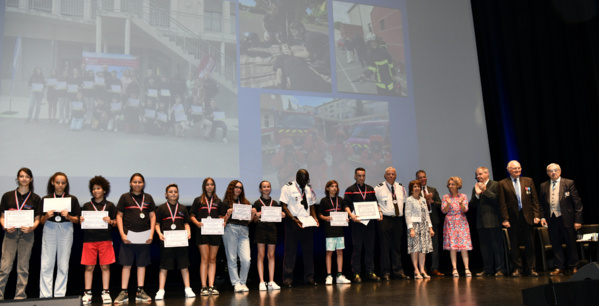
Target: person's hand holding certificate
x=94 y=220
x=339 y=218
x=367 y=210
x=213 y=226
x=173 y=239
x=271 y=214
x=308 y=221
x=18 y=218
x=242 y=212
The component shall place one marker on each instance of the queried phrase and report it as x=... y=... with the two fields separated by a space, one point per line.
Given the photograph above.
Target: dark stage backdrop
x=539 y=65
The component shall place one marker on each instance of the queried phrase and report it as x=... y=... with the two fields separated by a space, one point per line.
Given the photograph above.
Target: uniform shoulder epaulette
x=289 y=183
x=400 y=184
x=380 y=185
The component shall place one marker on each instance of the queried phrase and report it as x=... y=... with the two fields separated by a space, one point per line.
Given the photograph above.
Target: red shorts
x=91 y=250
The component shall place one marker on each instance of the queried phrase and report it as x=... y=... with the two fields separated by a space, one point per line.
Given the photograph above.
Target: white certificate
x=61 y=85
x=367 y=210
x=271 y=214
x=36 y=87
x=152 y=93
x=165 y=92
x=99 y=81
x=242 y=212
x=77 y=105
x=196 y=110
x=115 y=88
x=51 y=82
x=161 y=117
x=149 y=113
x=116 y=106
x=139 y=237
x=213 y=226
x=57 y=204
x=219 y=115
x=18 y=218
x=339 y=218
x=93 y=219
x=173 y=239
x=88 y=84
x=72 y=88
x=133 y=102
x=307 y=221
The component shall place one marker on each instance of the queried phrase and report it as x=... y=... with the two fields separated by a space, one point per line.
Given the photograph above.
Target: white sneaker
x=245 y=288
x=159 y=295
x=189 y=293
x=106 y=299
x=263 y=287
x=273 y=286
x=238 y=288
x=329 y=280
x=342 y=280
x=87 y=298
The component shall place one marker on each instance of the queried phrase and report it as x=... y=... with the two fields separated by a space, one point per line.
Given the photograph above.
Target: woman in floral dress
x=456 y=232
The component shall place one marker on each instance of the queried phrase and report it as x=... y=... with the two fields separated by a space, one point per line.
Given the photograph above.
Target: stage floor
x=436 y=291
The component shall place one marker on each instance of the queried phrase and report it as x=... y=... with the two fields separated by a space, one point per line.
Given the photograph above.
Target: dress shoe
x=533 y=273
x=386 y=277
x=401 y=276
x=373 y=277
x=437 y=273
x=484 y=273
x=499 y=273
x=556 y=272
x=516 y=273
x=311 y=282
x=574 y=270
x=287 y=284
x=357 y=279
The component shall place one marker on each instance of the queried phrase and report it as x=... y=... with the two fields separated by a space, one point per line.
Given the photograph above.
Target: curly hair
x=204 y=192
x=230 y=195
x=50 y=188
x=100 y=181
x=456 y=180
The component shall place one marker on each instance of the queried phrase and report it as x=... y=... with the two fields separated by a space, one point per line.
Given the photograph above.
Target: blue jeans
x=237 y=243
x=56 y=244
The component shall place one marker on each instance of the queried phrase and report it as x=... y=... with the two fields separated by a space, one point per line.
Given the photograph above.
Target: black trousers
x=305 y=236
x=558 y=234
x=363 y=236
x=391 y=230
x=491 y=249
x=438 y=229
x=519 y=230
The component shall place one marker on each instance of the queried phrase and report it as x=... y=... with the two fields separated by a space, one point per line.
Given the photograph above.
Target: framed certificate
x=93 y=219
x=367 y=210
x=57 y=204
x=173 y=239
x=212 y=226
x=271 y=214
x=18 y=218
x=242 y=212
x=339 y=218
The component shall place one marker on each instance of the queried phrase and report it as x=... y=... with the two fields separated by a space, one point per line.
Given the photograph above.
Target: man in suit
x=488 y=223
x=519 y=211
x=434 y=207
x=561 y=209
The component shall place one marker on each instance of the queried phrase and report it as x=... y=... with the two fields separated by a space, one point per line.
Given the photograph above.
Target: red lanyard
x=336 y=202
x=263 y=202
x=94 y=205
x=141 y=207
x=209 y=204
x=171 y=212
x=17 y=200
x=362 y=194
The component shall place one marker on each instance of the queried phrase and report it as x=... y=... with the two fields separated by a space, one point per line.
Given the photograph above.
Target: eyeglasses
x=552 y=170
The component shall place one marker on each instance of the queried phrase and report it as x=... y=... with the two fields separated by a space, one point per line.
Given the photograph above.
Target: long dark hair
x=28 y=172
x=50 y=189
x=329 y=184
x=142 y=179
x=203 y=196
x=229 y=195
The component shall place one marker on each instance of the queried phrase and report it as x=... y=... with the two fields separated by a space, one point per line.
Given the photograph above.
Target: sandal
x=468 y=273
x=455 y=273
x=425 y=275
x=417 y=275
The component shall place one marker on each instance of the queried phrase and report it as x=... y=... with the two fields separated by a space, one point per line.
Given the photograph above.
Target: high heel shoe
x=417 y=276
x=468 y=273
x=425 y=275
x=455 y=273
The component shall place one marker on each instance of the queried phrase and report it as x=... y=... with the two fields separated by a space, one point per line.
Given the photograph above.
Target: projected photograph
x=329 y=137
x=369 y=49
x=121 y=86
x=284 y=44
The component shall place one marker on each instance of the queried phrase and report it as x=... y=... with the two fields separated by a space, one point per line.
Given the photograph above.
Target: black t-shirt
x=223 y=211
x=95 y=235
x=164 y=218
x=131 y=212
x=325 y=208
x=265 y=226
x=354 y=193
x=34 y=202
x=200 y=210
x=75 y=208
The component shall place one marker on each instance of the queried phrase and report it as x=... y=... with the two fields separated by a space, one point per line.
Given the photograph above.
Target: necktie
x=394 y=201
x=517 y=187
x=553 y=186
x=428 y=205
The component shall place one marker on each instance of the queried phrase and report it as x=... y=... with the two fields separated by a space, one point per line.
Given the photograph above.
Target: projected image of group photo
x=369 y=49
x=284 y=44
x=327 y=136
x=132 y=77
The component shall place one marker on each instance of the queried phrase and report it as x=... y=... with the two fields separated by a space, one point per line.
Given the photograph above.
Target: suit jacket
x=508 y=202
x=435 y=205
x=487 y=206
x=569 y=202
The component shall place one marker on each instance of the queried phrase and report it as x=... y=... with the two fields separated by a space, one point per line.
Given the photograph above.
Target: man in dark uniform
x=380 y=65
